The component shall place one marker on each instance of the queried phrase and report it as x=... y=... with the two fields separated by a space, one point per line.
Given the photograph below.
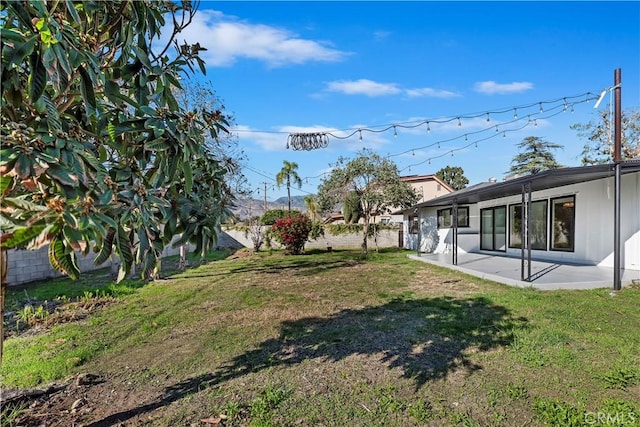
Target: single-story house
x=563 y=215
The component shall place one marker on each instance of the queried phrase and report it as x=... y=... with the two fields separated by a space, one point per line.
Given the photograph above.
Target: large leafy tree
x=453 y=176
x=288 y=175
x=376 y=182
x=535 y=156
x=599 y=135
x=96 y=147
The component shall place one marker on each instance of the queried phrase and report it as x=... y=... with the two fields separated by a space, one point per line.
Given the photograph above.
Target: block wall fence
x=27 y=266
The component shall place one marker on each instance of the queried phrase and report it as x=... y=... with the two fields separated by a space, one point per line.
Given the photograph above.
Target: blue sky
x=282 y=67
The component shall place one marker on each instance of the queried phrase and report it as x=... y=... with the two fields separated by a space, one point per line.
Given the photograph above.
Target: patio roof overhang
x=540 y=181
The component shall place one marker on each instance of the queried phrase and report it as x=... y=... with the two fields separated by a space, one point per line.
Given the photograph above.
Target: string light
x=475 y=143
x=314 y=140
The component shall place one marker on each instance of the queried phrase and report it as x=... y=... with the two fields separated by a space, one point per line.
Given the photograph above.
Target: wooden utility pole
x=265 y=196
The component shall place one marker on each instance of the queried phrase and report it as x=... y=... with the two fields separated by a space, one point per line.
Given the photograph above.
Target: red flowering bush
x=292 y=232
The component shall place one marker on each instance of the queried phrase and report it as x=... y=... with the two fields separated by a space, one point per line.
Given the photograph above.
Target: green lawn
x=337 y=339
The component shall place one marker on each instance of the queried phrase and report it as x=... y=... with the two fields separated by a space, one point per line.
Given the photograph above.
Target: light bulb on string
x=564 y=107
x=488 y=119
x=459 y=122
x=535 y=122
x=465 y=137
x=451 y=153
x=497 y=129
x=515 y=113
x=360 y=131
x=504 y=134
x=476 y=144
x=413 y=152
x=395 y=133
x=572 y=110
x=438 y=144
x=428 y=128
x=541 y=109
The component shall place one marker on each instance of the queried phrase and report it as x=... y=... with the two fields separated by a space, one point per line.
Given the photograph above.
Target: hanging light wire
x=315 y=140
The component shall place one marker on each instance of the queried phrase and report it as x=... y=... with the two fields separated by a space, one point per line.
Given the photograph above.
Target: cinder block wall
x=386 y=239
x=27 y=266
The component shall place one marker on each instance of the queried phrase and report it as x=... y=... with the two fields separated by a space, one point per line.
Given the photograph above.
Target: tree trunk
x=183 y=263
x=365 y=231
x=3 y=286
x=289 y=192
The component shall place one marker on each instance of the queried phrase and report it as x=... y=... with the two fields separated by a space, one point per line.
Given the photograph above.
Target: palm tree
x=312 y=206
x=288 y=174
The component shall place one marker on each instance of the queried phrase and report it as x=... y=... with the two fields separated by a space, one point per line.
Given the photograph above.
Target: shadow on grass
x=303 y=265
x=425 y=338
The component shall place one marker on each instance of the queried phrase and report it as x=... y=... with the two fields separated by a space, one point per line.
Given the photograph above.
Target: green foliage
x=351 y=209
x=599 y=135
x=374 y=179
x=317 y=230
x=292 y=232
x=555 y=413
x=271 y=216
x=453 y=176
x=535 y=156
x=339 y=229
x=622 y=378
x=95 y=145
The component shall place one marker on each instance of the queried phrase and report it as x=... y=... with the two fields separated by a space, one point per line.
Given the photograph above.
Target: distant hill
x=247 y=208
x=296 y=201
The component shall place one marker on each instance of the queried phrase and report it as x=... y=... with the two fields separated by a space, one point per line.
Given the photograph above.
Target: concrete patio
x=545 y=275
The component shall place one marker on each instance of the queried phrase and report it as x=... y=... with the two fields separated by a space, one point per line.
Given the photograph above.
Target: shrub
x=271 y=216
x=292 y=232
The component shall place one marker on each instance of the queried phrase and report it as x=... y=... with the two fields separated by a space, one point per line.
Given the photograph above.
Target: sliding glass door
x=493 y=229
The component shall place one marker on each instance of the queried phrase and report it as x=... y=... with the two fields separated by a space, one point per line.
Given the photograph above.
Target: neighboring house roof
x=421 y=178
x=540 y=181
x=333 y=218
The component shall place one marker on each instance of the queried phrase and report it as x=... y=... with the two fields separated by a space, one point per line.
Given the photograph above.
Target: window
x=445 y=217
x=563 y=224
x=385 y=220
x=493 y=229
x=538 y=232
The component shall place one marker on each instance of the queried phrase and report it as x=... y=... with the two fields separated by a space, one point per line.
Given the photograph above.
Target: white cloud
x=431 y=93
x=381 y=35
x=268 y=141
x=363 y=87
x=227 y=40
x=492 y=88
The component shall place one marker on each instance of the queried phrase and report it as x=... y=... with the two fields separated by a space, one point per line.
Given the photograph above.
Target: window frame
x=493 y=226
x=450 y=211
x=552 y=214
x=546 y=225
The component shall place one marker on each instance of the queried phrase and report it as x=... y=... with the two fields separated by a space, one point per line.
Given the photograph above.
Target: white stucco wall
x=593 y=224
